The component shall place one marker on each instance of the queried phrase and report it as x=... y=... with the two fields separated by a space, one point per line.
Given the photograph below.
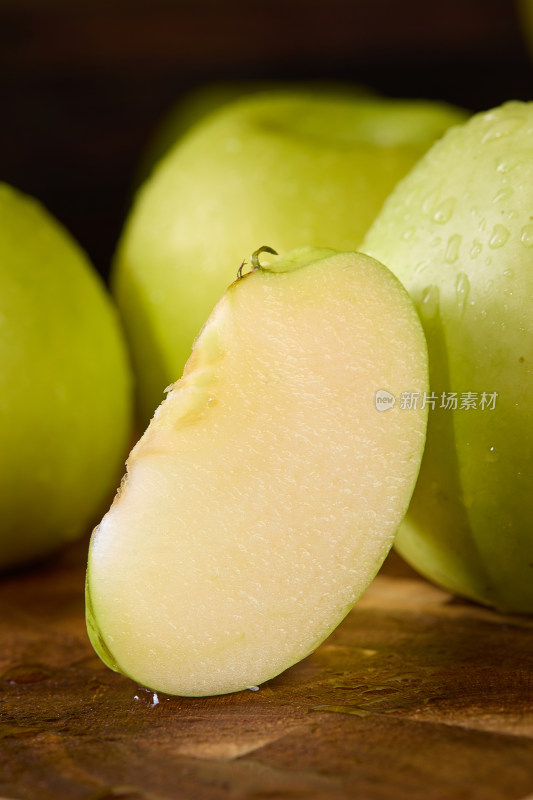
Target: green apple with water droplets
x=265 y=494
x=458 y=232
x=291 y=168
x=65 y=386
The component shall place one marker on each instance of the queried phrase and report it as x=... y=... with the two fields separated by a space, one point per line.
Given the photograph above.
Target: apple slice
x=266 y=492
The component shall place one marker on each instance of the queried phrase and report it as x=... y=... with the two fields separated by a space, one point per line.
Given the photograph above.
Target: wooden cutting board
x=416 y=695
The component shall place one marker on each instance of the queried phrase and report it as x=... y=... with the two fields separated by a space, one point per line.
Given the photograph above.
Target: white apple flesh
x=266 y=492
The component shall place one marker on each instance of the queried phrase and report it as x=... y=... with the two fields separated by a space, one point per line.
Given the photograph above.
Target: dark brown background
x=82 y=84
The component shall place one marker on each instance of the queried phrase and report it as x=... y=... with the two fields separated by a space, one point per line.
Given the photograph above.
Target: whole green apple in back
x=284 y=169
x=207 y=98
x=265 y=494
x=458 y=232
x=65 y=399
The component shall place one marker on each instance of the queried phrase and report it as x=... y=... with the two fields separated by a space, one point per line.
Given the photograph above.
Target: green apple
x=266 y=491
x=289 y=169
x=207 y=98
x=458 y=232
x=65 y=399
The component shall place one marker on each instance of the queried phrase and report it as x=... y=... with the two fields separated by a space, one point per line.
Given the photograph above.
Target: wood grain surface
x=416 y=695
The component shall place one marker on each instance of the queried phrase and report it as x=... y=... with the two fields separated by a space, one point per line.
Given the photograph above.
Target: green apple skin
x=458 y=232
x=206 y=99
x=279 y=168
x=265 y=493
x=65 y=386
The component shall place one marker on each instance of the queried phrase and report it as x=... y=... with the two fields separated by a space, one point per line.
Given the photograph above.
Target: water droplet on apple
x=500 y=234
x=476 y=248
x=504 y=194
x=408 y=234
x=462 y=287
x=429 y=302
x=429 y=203
x=422 y=265
x=502 y=128
x=526 y=235
x=509 y=273
x=508 y=165
x=492 y=455
x=452 y=249
x=444 y=210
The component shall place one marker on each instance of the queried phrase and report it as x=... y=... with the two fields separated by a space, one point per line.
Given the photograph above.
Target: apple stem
x=255 y=261
x=255 y=256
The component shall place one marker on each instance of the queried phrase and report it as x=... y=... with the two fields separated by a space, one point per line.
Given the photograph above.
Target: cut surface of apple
x=265 y=494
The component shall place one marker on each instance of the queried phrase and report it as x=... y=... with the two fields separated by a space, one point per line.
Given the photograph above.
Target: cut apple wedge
x=266 y=492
